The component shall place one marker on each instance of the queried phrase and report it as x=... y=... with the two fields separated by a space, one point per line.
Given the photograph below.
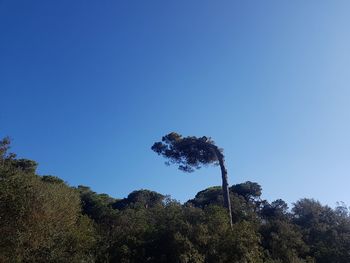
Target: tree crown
x=190 y=152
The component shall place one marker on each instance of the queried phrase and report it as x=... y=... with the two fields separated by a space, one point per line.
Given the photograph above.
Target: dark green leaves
x=188 y=152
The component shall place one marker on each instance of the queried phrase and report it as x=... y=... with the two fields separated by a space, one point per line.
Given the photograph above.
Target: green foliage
x=52 y=179
x=42 y=219
x=326 y=231
x=209 y=196
x=239 y=244
x=189 y=152
x=249 y=190
x=143 y=198
x=192 y=153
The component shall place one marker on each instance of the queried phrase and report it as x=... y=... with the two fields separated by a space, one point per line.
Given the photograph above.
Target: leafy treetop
x=190 y=152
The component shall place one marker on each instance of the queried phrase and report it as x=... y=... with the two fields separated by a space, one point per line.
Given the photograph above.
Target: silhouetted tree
x=192 y=153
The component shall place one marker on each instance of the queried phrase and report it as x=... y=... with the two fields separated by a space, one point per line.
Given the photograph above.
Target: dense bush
x=42 y=219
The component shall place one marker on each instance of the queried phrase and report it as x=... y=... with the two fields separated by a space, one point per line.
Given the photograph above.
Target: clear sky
x=86 y=87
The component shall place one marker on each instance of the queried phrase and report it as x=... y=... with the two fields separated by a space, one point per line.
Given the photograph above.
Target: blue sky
x=88 y=86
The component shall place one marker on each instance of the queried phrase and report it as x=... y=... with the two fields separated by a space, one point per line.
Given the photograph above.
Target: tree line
x=42 y=219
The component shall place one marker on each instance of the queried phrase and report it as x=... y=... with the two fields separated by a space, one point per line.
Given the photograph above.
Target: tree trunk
x=225 y=188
